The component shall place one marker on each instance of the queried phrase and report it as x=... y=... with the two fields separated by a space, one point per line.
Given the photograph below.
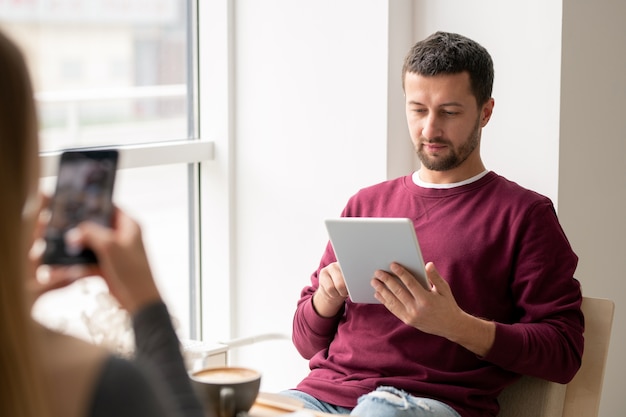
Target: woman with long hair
x=44 y=373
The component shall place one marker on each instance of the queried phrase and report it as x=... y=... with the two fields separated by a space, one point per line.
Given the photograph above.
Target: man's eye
x=450 y=113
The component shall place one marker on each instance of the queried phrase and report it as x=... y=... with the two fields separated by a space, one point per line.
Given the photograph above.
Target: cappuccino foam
x=225 y=375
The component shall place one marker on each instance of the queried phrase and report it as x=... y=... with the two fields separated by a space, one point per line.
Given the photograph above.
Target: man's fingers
x=389 y=286
x=48 y=278
x=440 y=284
x=407 y=280
x=333 y=281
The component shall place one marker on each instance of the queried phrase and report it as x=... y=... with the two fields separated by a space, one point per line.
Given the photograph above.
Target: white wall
x=311 y=128
x=592 y=179
x=524 y=41
x=317 y=96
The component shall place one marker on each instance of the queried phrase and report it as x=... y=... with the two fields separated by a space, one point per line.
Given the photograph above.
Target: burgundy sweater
x=506 y=258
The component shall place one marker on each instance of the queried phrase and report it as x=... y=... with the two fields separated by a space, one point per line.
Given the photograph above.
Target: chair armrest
x=199 y=354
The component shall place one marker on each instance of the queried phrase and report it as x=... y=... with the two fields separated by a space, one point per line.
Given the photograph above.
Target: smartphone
x=84 y=191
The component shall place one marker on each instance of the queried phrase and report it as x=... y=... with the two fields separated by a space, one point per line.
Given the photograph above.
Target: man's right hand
x=332 y=291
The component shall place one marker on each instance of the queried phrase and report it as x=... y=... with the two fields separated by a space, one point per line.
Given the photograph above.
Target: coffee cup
x=226 y=391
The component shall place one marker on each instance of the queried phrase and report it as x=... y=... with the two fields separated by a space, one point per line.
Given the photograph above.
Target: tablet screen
x=364 y=244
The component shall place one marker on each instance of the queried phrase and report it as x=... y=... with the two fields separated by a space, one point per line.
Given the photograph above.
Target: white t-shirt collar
x=418 y=181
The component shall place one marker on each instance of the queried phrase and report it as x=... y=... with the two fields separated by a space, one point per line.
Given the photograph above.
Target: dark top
x=155 y=383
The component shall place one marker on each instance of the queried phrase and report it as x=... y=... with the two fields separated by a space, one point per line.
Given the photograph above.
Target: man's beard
x=456 y=156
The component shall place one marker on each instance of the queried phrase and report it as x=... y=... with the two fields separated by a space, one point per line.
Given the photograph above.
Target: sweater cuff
x=507 y=347
x=153 y=326
x=318 y=324
x=149 y=312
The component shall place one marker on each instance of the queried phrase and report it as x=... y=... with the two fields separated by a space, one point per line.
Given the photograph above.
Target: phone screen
x=84 y=191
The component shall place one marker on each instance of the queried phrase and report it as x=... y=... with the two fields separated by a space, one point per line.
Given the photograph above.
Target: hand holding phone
x=84 y=191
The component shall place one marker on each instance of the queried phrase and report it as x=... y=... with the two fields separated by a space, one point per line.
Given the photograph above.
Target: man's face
x=444 y=120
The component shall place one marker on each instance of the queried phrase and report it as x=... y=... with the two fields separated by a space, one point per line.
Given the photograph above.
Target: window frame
x=217 y=177
x=144 y=155
x=209 y=179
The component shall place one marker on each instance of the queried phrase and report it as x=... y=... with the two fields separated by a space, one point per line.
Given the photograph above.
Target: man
x=503 y=300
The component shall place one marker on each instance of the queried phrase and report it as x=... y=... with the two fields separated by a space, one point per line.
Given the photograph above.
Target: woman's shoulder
x=71 y=368
x=96 y=382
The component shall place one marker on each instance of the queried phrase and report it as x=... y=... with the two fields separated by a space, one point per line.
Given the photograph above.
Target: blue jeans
x=384 y=402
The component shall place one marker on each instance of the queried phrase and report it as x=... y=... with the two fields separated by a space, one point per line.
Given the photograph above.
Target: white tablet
x=365 y=244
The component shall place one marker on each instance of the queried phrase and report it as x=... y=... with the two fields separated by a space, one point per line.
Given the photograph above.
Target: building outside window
x=122 y=74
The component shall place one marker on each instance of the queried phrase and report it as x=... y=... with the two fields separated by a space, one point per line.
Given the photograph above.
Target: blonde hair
x=22 y=392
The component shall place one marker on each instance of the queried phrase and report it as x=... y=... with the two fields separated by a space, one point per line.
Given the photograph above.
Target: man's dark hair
x=451 y=53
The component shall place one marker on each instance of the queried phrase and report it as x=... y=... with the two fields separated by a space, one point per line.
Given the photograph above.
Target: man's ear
x=486 y=111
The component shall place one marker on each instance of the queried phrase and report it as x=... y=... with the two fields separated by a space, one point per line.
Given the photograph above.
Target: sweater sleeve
x=158 y=351
x=547 y=340
x=311 y=332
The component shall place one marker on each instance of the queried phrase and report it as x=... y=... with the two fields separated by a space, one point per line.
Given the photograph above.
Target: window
x=123 y=74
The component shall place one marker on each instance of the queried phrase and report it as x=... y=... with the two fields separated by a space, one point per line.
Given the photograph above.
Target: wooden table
x=272 y=405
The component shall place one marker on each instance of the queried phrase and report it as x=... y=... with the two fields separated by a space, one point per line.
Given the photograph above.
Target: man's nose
x=432 y=127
